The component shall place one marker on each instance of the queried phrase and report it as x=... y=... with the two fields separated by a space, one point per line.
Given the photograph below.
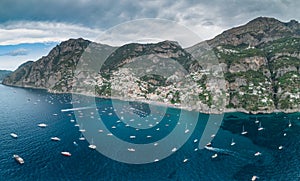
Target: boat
x=208 y=144
x=18 y=159
x=81 y=130
x=232 y=142
x=92 y=146
x=14 y=135
x=65 y=153
x=131 y=149
x=280 y=147
x=244 y=132
x=290 y=124
x=81 y=138
x=260 y=127
x=254 y=177
x=42 y=125
x=55 y=138
x=257 y=153
x=214 y=155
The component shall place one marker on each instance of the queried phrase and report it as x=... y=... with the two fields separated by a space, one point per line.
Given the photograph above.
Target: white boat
x=257 y=153
x=232 y=142
x=65 y=153
x=14 y=135
x=42 y=125
x=208 y=144
x=254 y=177
x=244 y=132
x=55 y=138
x=81 y=130
x=290 y=124
x=131 y=149
x=280 y=147
x=214 y=156
x=18 y=159
x=92 y=146
x=260 y=127
x=81 y=138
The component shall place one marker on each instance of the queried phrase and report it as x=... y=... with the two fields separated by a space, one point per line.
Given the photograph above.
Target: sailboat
x=260 y=127
x=232 y=142
x=290 y=124
x=81 y=138
x=244 y=132
x=92 y=146
x=81 y=129
x=256 y=121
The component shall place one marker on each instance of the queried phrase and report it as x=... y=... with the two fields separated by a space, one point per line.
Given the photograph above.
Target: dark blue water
x=22 y=109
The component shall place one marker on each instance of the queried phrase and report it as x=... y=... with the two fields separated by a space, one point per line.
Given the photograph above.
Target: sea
x=271 y=153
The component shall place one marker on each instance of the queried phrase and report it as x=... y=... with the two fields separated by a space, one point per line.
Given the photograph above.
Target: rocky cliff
x=4 y=73
x=254 y=67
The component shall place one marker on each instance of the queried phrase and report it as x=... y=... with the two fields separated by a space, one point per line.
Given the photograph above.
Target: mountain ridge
x=260 y=61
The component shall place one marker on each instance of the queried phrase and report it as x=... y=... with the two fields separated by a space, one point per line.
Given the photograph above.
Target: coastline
x=211 y=111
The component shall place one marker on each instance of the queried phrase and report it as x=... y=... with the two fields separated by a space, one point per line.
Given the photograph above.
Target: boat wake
x=222 y=151
x=76 y=109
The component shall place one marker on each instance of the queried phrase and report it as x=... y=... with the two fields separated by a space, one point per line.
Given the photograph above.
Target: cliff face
x=53 y=72
x=260 y=61
x=4 y=73
x=263 y=61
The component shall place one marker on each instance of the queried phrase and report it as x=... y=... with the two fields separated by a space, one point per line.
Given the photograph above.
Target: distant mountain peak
x=257 y=31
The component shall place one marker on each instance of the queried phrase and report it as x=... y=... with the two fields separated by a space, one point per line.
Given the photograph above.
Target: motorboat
x=257 y=153
x=214 y=155
x=18 y=159
x=65 y=153
x=14 y=135
x=232 y=142
x=42 y=125
x=55 y=138
x=92 y=146
x=244 y=132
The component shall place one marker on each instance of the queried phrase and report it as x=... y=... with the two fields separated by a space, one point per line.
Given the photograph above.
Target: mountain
x=4 y=73
x=253 y=67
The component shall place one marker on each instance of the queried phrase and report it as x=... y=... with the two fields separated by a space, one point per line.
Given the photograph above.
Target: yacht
x=290 y=124
x=81 y=130
x=131 y=149
x=257 y=153
x=65 y=153
x=254 y=178
x=260 y=127
x=232 y=142
x=81 y=138
x=92 y=146
x=244 y=132
x=214 y=156
x=14 y=135
x=55 y=138
x=18 y=159
x=208 y=144
x=42 y=125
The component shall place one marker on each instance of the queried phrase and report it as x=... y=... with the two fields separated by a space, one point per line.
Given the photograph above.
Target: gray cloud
x=206 y=17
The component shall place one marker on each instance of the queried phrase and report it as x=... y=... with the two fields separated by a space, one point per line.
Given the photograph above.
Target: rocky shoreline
x=211 y=111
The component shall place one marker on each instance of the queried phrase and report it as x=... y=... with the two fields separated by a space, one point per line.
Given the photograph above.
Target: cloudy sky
x=29 y=29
